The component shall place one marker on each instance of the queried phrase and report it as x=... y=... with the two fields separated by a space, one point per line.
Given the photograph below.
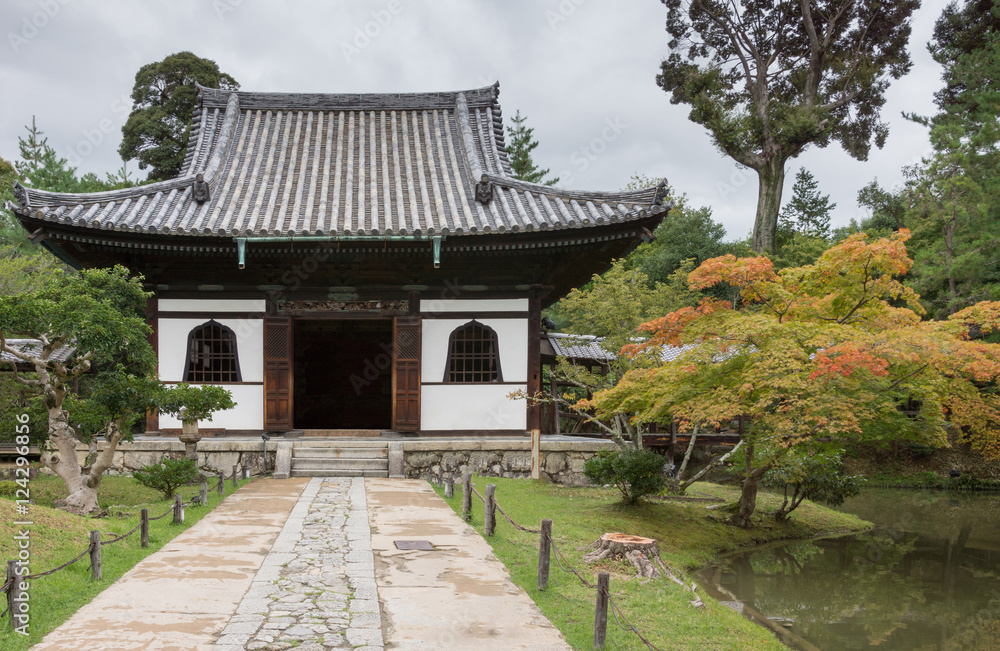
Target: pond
x=927 y=577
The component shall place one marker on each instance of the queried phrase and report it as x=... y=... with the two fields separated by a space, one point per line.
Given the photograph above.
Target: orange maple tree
x=832 y=351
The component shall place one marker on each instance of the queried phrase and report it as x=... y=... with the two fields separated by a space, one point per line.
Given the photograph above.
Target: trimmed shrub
x=633 y=471
x=167 y=476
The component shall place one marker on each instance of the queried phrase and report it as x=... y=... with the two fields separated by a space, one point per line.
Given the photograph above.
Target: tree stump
x=639 y=551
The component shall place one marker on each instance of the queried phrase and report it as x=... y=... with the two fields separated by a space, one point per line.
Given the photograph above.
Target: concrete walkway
x=312 y=565
x=181 y=597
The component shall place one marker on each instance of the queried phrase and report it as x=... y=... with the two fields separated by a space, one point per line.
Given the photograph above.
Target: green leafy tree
x=686 y=233
x=156 y=132
x=887 y=209
x=520 y=143
x=100 y=313
x=768 y=79
x=611 y=307
x=40 y=167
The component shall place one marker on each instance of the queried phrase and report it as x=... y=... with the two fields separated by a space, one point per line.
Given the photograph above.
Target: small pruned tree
x=98 y=313
x=812 y=474
x=192 y=404
x=635 y=472
x=167 y=475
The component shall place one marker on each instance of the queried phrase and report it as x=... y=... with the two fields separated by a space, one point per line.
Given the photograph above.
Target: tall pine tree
x=520 y=144
x=808 y=212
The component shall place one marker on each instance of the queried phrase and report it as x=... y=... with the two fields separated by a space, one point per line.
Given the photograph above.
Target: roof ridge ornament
x=484 y=190
x=200 y=191
x=21 y=194
x=662 y=190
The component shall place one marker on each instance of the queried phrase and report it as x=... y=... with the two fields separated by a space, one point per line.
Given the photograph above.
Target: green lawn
x=688 y=536
x=57 y=537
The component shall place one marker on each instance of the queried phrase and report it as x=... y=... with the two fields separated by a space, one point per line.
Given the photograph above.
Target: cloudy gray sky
x=581 y=70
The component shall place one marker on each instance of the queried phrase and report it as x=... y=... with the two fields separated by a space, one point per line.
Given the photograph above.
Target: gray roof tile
x=371 y=164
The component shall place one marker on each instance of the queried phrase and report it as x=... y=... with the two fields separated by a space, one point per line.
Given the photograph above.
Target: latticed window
x=473 y=355
x=211 y=355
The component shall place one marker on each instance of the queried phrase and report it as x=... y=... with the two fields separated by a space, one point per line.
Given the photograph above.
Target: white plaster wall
x=210 y=305
x=248 y=413
x=472 y=407
x=436 y=306
x=172 y=335
x=512 y=337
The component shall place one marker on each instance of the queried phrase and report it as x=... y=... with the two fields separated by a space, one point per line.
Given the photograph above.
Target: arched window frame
x=226 y=330
x=490 y=336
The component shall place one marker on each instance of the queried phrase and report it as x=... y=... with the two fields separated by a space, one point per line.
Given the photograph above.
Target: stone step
x=343 y=433
x=340 y=453
x=339 y=473
x=303 y=444
x=340 y=464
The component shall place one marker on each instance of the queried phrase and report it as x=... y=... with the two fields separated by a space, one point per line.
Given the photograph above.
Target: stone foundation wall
x=214 y=455
x=562 y=461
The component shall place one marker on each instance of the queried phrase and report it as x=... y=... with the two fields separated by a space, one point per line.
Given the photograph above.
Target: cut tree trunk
x=640 y=552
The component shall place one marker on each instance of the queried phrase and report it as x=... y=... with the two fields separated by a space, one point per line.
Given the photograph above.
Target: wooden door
x=406 y=374
x=278 y=374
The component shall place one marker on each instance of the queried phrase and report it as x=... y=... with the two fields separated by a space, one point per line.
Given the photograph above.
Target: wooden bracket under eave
x=38 y=236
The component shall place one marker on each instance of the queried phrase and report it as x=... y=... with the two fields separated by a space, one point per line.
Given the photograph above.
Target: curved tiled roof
x=279 y=164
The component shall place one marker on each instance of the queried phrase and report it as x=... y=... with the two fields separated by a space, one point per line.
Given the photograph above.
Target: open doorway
x=343 y=374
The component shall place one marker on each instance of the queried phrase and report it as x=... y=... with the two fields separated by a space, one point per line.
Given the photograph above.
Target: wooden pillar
x=534 y=356
x=152 y=320
x=555 y=400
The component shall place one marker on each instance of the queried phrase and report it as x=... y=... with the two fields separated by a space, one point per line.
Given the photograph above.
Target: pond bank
x=925 y=577
x=689 y=535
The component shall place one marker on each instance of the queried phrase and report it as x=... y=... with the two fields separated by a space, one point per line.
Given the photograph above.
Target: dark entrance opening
x=343 y=374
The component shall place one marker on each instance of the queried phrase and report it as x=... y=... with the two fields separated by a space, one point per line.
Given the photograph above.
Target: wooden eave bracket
x=38 y=236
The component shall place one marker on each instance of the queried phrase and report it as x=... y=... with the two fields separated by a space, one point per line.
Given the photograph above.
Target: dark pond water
x=928 y=577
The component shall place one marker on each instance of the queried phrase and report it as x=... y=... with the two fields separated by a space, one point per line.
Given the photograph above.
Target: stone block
x=283 y=460
x=396 y=459
x=517 y=461
x=554 y=462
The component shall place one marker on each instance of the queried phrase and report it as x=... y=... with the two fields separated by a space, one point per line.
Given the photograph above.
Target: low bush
x=168 y=475
x=633 y=471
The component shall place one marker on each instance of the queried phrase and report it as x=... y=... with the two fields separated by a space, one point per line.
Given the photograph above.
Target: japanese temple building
x=349 y=261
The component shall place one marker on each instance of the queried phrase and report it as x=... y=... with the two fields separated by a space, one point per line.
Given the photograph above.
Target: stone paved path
x=316 y=589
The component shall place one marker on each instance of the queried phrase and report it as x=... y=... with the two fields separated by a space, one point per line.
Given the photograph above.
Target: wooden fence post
x=236 y=470
x=203 y=496
x=178 y=510
x=543 y=554
x=466 y=497
x=490 y=510
x=144 y=528
x=601 y=611
x=95 y=555
x=14 y=591
x=449 y=488
x=222 y=483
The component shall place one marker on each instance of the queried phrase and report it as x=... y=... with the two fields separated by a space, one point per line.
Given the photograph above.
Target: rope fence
x=546 y=543
x=10 y=586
